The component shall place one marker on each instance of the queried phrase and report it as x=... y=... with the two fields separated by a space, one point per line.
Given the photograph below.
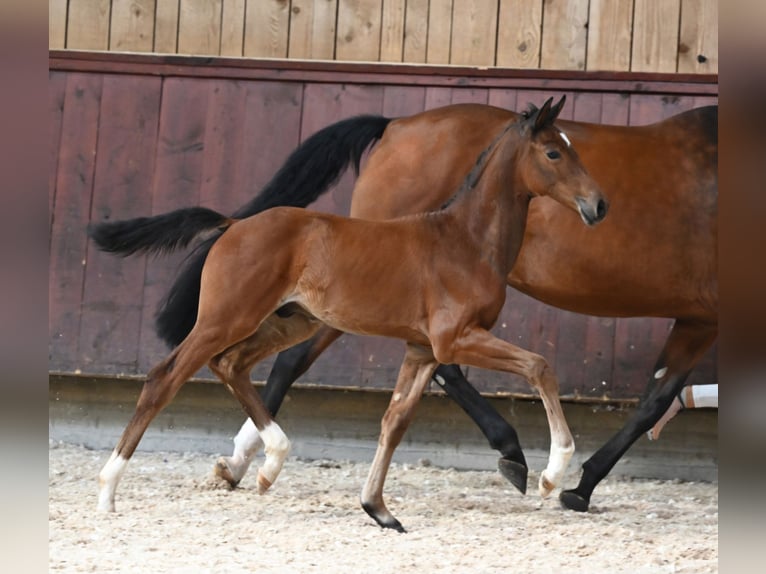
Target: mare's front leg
x=501 y=435
x=479 y=348
x=686 y=344
x=289 y=365
x=415 y=372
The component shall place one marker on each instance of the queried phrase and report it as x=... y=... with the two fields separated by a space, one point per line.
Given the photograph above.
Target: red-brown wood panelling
x=137 y=135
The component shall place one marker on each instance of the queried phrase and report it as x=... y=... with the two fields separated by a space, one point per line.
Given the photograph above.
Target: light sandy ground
x=172 y=517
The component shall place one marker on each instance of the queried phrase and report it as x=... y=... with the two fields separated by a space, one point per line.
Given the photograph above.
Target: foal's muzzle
x=592 y=210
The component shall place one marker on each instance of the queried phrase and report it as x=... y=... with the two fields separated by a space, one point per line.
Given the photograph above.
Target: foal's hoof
x=573 y=501
x=514 y=472
x=222 y=470
x=387 y=521
x=263 y=484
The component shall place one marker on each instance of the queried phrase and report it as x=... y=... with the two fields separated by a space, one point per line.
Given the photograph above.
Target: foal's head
x=548 y=165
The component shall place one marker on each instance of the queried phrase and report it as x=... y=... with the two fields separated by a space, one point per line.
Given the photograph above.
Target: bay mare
x=435 y=280
x=655 y=256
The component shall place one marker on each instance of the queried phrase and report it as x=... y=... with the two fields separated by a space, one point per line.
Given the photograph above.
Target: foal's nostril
x=601 y=209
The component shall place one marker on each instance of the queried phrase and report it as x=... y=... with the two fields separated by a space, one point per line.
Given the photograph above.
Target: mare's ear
x=548 y=113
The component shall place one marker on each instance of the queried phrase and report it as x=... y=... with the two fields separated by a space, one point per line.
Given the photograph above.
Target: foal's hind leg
x=480 y=348
x=162 y=384
x=416 y=370
x=289 y=365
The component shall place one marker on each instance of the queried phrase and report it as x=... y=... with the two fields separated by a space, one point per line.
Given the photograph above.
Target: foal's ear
x=548 y=114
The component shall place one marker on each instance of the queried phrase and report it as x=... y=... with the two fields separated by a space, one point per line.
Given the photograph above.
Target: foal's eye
x=553 y=154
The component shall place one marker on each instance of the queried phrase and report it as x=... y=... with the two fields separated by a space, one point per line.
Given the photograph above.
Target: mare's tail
x=310 y=170
x=158 y=234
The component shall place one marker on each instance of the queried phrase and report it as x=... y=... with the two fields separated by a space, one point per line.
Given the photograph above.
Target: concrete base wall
x=332 y=424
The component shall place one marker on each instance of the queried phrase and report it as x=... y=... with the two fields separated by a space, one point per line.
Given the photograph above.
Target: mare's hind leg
x=480 y=348
x=686 y=344
x=501 y=435
x=415 y=372
x=275 y=334
x=162 y=384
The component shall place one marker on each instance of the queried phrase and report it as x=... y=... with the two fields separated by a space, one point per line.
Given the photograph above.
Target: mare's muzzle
x=592 y=210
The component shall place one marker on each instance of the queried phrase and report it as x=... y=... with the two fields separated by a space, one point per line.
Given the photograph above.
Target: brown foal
x=436 y=280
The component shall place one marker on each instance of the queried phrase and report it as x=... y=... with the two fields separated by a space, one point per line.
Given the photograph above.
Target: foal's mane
x=474 y=175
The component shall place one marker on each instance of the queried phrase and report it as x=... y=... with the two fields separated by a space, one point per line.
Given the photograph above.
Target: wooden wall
x=134 y=135
x=618 y=35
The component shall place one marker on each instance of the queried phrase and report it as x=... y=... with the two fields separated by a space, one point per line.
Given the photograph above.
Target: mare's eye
x=553 y=154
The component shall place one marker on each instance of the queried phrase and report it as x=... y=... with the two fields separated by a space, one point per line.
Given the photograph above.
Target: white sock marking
x=108 y=479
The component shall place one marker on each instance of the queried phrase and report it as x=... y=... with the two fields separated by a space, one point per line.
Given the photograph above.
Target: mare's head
x=548 y=165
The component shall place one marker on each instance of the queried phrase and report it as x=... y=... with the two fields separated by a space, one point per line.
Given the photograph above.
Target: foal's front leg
x=415 y=372
x=478 y=347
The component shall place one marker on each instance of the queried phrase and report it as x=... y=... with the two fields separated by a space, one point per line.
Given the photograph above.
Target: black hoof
x=573 y=501
x=388 y=522
x=514 y=472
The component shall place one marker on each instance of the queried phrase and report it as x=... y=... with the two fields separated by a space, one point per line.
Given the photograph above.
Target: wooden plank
x=199 y=27
x=359 y=23
x=57 y=10
x=88 y=25
x=586 y=107
x=74 y=185
x=637 y=342
x=233 y=28
x=166 y=26
x=610 y=27
x=392 y=31
x=503 y=98
x=519 y=35
x=473 y=32
x=698 y=42
x=469 y=96
x=655 y=35
x=176 y=183
x=224 y=146
x=564 y=35
x=615 y=109
x=403 y=101
x=132 y=26
x=438 y=97
x=439 y=32
x=416 y=31
x=112 y=302
x=266 y=28
x=312 y=29
x=57 y=83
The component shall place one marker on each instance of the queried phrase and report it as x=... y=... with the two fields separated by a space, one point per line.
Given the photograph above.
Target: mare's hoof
x=573 y=501
x=514 y=472
x=223 y=471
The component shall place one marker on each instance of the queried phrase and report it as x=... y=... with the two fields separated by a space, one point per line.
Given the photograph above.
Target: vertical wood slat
x=111 y=301
x=88 y=24
x=57 y=82
x=166 y=18
x=439 y=32
x=564 y=35
x=416 y=31
x=266 y=27
x=359 y=23
x=199 y=27
x=74 y=185
x=473 y=32
x=698 y=42
x=176 y=182
x=233 y=28
x=655 y=35
x=313 y=29
x=132 y=26
x=392 y=31
x=519 y=33
x=57 y=21
x=609 y=34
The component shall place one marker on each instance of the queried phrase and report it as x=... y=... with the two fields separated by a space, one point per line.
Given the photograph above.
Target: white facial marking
x=661 y=373
x=565 y=138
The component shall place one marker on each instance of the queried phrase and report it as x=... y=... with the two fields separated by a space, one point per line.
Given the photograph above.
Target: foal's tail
x=158 y=234
x=310 y=170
